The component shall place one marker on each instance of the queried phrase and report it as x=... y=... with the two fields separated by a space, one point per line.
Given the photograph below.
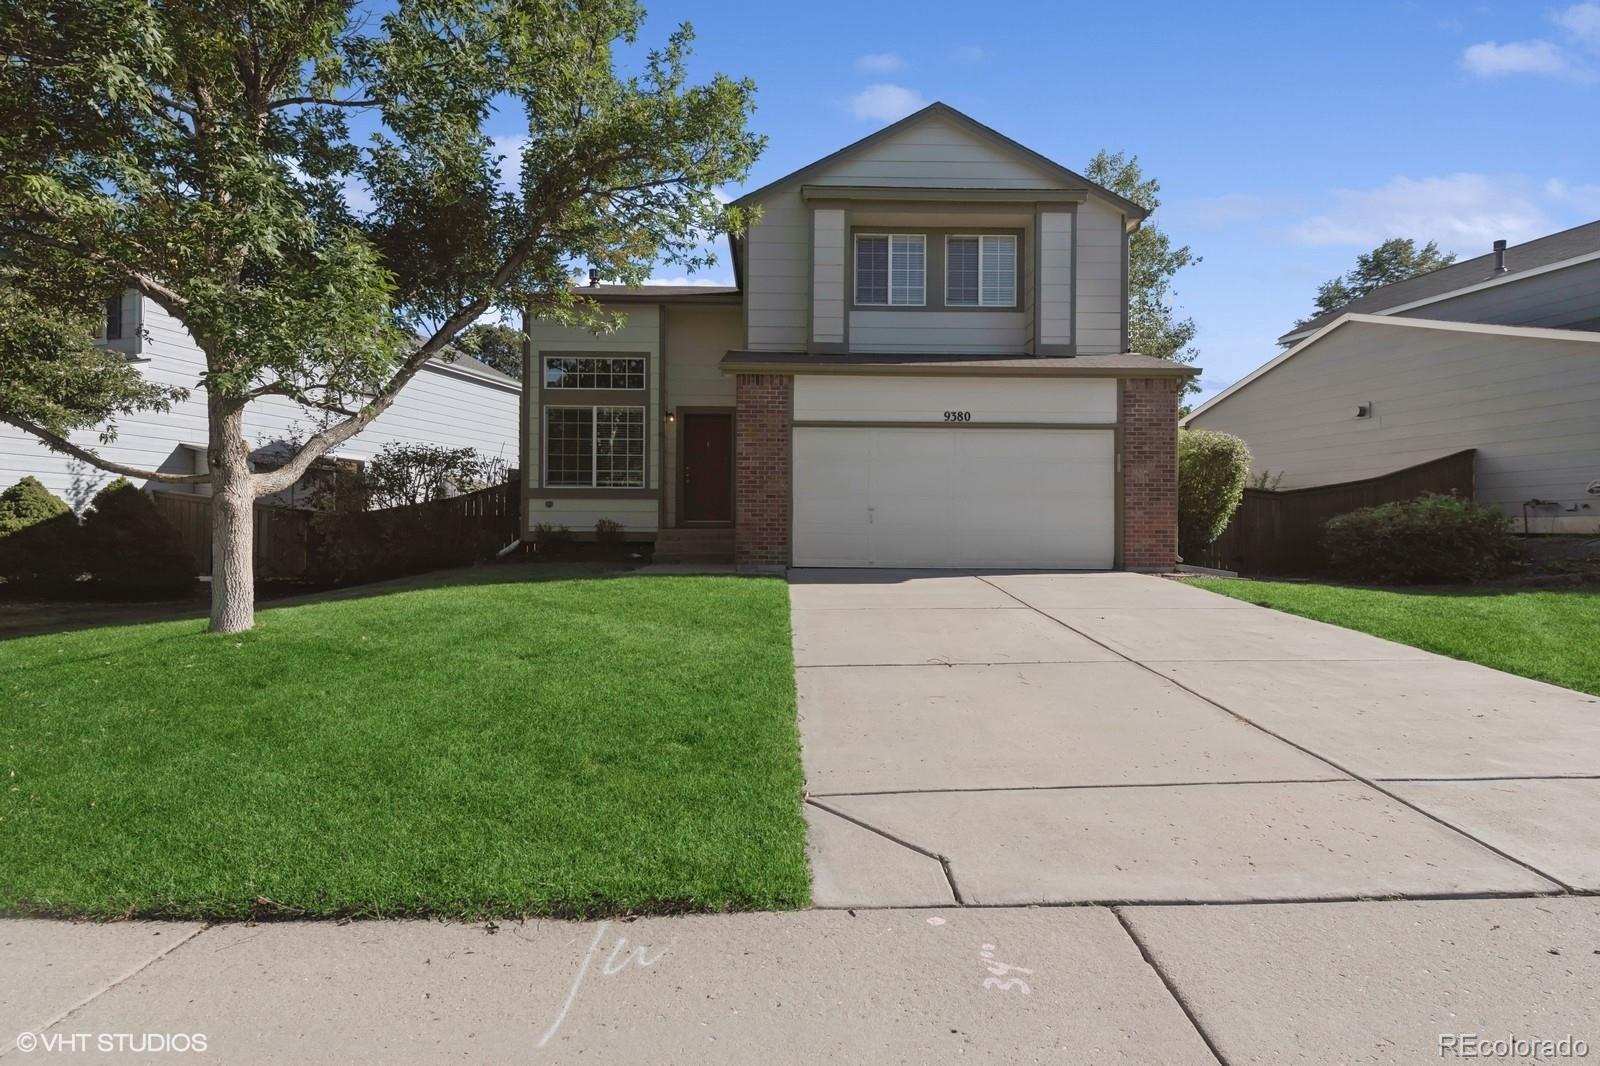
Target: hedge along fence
x=348 y=547
x=1281 y=531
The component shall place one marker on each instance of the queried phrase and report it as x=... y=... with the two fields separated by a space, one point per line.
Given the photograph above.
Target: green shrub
x=131 y=551
x=44 y=560
x=1212 y=470
x=550 y=540
x=1429 y=540
x=27 y=502
x=608 y=531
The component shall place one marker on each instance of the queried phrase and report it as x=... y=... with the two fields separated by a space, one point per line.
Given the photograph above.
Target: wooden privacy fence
x=282 y=534
x=294 y=543
x=1280 y=532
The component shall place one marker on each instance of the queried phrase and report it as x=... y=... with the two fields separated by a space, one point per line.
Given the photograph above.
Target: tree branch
x=319 y=101
x=320 y=443
x=62 y=444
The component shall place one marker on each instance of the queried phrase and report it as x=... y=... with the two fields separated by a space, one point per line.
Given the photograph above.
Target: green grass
x=495 y=742
x=1549 y=635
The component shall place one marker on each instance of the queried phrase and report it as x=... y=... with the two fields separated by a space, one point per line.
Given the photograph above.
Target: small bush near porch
x=502 y=741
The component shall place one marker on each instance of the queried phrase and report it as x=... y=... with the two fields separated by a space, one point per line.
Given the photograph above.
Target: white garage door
x=958 y=497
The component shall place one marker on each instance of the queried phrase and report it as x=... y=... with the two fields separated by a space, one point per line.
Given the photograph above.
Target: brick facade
x=1149 y=473
x=762 y=470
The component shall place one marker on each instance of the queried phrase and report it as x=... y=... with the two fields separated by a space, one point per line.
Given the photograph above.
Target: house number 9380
x=958 y=416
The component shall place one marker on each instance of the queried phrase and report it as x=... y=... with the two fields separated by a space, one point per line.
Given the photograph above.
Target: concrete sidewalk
x=1288 y=983
x=1118 y=738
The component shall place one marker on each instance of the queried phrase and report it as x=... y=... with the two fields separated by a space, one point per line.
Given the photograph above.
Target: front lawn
x=1552 y=636
x=501 y=741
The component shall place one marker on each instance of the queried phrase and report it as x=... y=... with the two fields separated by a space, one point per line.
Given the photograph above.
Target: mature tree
x=1153 y=325
x=202 y=152
x=1396 y=259
x=496 y=345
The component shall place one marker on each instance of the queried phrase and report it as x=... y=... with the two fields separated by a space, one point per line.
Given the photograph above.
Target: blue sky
x=1287 y=137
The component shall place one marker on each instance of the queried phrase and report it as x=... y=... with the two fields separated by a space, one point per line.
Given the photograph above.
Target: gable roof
x=1541 y=253
x=1394 y=322
x=1069 y=178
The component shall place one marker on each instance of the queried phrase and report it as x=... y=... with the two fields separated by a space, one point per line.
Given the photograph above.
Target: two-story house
x=1499 y=353
x=923 y=363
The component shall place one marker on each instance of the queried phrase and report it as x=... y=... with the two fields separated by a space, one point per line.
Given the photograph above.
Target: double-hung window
x=598 y=445
x=891 y=269
x=980 y=271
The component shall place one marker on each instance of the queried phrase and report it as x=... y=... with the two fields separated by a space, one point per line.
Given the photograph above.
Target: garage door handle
x=869 y=514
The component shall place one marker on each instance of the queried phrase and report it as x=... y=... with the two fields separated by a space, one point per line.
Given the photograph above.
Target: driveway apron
x=1003 y=739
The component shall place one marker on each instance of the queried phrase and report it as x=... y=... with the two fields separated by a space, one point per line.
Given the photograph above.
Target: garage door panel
x=954 y=497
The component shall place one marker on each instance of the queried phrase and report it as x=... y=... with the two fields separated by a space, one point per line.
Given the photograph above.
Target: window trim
x=933 y=288
x=594 y=445
x=1016 y=272
x=855 y=260
x=544 y=370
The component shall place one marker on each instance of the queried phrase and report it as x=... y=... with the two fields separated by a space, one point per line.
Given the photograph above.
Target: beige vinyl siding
x=828 y=297
x=778 y=274
x=440 y=406
x=697 y=339
x=1527 y=404
x=973 y=332
x=932 y=154
x=779 y=248
x=640 y=332
x=1055 y=277
x=853 y=398
x=1100 y=297
x=1559 y=298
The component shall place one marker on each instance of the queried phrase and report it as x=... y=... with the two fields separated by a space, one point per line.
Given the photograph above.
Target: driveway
x=1118 y=738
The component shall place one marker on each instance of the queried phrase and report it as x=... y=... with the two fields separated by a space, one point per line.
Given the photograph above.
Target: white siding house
x=1499 y=353
x=458 y=404
x=1368 y=395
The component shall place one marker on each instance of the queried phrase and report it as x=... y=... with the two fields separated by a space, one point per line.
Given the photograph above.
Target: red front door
x=707 y=439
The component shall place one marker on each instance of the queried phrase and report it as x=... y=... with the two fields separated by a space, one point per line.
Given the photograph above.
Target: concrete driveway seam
x=1171 y=987
x=47 y=1026
x=1367 y=781
x=1069 y=788
x=942 y=860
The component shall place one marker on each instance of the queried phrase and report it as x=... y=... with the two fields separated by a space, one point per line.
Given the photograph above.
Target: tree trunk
x=233 y=502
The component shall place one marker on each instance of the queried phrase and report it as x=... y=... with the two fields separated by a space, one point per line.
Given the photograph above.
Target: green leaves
x=52 y=374
x=1396 y=259
x=1153 y=325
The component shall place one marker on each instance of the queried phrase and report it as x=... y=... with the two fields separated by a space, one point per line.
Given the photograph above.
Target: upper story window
x=593 y=372
x=114 y=318
x=980 y=270
x=891 y=269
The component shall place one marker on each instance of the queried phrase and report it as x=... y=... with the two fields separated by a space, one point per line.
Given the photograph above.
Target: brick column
x=762 y=470
x=1149 y=473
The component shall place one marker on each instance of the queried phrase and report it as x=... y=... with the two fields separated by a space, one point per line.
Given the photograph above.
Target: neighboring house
x=923 y=363
x=456 y=404
x=1500 y=353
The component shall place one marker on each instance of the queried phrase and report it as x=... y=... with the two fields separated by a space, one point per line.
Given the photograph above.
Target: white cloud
x=886 y=102
x=880 y=63
x=1582 y=21
x=1582 y=198
x=509 y=147
x=1492 y=60
x=969 y=53
x=1463 y=212
x=721 y=282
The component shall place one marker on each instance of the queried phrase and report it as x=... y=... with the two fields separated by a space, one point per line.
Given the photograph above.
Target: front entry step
x=694 y=546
